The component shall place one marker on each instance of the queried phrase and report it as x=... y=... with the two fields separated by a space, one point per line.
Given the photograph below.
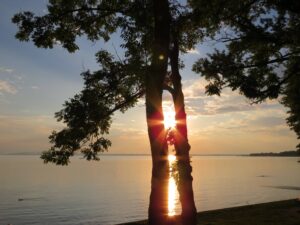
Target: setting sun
x=169 y=118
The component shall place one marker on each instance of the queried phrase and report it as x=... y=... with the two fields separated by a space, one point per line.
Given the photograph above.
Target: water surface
x=117 y=188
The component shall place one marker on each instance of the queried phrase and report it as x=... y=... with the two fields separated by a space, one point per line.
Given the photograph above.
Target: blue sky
x=34 y=83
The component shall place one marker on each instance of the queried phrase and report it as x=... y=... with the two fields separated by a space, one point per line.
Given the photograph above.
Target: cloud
x=6 y=70
x=229 y=123
x=194 y=89
x=11 y=73
x=7 y=87
x=269 y=121
x=233 y=108
x=35 y=87
x=193 y=51
x=198 y=103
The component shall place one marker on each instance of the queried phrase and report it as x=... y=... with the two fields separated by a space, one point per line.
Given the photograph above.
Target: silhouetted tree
x=261 y=50
x=153 y=32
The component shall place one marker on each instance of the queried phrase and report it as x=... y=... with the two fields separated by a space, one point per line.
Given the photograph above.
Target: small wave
x=31 y=199
x=294 y=188
x=263 y=176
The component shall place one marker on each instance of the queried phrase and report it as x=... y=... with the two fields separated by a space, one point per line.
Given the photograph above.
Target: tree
x=261 y=50
x=153 y=34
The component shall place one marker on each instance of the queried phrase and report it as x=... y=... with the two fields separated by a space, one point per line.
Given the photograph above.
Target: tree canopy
x=261 y=54
x=119 y=83
x=260 y=57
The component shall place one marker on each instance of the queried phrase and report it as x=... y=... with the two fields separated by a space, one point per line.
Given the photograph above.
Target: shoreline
x=285 y=212
x=149 y=155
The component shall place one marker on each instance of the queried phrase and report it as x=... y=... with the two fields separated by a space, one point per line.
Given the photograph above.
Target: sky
x=34 y=83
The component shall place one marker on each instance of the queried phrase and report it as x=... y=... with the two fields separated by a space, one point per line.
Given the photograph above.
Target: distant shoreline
x=262 y=154
x=279 y=154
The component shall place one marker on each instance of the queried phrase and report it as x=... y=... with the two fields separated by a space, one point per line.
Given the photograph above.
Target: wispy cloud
x=35 y=87
x=6 y=70
x=194 y=89
x=193 y=51
x=7 y=87
x=198 y=103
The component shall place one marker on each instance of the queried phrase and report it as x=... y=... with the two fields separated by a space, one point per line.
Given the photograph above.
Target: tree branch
x=91 y=9
x=122 y=104
x=169 y=89
x=235 y=13
x=278 y=60
x=265 y=93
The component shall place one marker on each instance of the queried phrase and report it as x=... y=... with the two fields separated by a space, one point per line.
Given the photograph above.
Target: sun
x=171 y=158
x=169 y=118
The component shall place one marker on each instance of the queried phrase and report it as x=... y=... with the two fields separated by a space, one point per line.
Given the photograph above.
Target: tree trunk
x=182 y=147
x=158 y=207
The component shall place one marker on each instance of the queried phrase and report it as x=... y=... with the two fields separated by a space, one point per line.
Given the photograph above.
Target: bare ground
x=274 y=213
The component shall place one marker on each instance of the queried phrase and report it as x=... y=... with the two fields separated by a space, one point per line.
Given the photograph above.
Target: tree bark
x=158 y=207
x=182 y=147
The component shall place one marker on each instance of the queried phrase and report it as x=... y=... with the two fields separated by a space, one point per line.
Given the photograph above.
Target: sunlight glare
x=172 y=188
x=171 y=159
x=169 y=118
x=171 y=197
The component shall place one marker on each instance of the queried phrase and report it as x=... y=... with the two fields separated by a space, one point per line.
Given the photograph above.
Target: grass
x=273 y=213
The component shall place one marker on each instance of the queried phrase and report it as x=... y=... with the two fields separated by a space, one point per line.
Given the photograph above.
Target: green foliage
x=261 y=51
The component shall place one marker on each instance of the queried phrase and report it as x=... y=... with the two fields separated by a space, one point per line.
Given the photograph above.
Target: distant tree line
x=284 y=153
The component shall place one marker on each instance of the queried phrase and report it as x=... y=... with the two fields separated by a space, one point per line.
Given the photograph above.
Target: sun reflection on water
x=171 y=159
x=172 y=188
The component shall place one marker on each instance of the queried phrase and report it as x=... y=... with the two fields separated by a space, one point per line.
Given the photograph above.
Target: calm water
x=117 y=188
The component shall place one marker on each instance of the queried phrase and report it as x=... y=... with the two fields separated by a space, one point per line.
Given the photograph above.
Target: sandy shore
x=285 y=212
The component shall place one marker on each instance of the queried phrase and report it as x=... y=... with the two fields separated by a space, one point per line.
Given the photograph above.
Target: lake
x=116 y=189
